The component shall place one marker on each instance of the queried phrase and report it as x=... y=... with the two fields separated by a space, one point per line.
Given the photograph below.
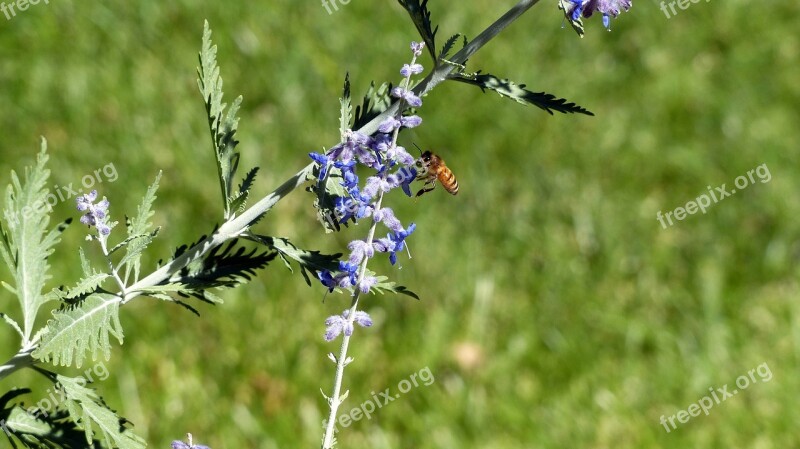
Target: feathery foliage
x=26 y=243
x=80 y=328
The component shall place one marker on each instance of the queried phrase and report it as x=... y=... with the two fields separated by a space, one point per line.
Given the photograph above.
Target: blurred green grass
x=555 y=311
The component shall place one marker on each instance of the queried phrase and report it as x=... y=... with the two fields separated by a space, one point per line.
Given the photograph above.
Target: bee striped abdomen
x=448 y=179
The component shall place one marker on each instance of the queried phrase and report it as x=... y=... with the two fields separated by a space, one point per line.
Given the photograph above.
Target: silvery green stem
x=335 y=400
x=20 y=360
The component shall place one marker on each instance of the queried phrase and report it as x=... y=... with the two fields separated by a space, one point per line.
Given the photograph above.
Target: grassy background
x=555 y=311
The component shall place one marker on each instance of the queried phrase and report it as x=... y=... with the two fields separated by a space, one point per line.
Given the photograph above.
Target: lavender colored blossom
x=608 y=8
x=398 y=240
x=340 y=324
x=392 y=123
x=408 y=96
x=359 y=249
x=411 y=69
x=367 y=283
x=361 y=318
x=96 y=214
x=386 y=216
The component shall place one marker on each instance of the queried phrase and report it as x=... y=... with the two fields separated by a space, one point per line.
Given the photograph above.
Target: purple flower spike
x=340 y=324
x=410 y=97
x=335 y=324
x=386 y=215
x=359 y=250
x=411 y=69
x=417 y=47
x=96 y=214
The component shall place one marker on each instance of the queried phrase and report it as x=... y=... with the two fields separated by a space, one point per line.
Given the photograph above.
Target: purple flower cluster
x=96 y=214
x=608 y=8
x=338 y=324
x=393 y=167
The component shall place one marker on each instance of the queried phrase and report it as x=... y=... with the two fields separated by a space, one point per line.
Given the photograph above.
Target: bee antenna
x=420 y=149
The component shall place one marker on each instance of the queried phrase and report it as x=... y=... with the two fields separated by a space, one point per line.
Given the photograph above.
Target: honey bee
x=433 y=168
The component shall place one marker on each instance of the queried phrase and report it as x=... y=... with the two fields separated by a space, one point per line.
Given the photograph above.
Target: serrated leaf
x=86 y=285
x=519 y=93
x=577 y=24
x=81 y=328
x=384 y=286
x=224 y=266
x=139 y=233
x=86 y=266
x=163 y=292
x=223 y=129
x=89 y=411
x=132 y=258
x=375 y=102
x=26 y=243
x=239 y=201
x=346 y=107
x=448 y=46
x=421 y=17
x=309 y=261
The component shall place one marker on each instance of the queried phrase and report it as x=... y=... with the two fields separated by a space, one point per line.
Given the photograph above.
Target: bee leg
x=427 y=188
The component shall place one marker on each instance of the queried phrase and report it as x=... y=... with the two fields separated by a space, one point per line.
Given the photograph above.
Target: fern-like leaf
x=139 y=233
x=89 y=411
x=223 y=129
x=519 y=93
x=448 y=46
x=376 y=100
x=223 y=267
x=309 y=261
x=26 y=244
x=84 y=327
x=220 y=268
x=239 y=201
x=87 y=285
x=57 y=431
x=421 y=17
